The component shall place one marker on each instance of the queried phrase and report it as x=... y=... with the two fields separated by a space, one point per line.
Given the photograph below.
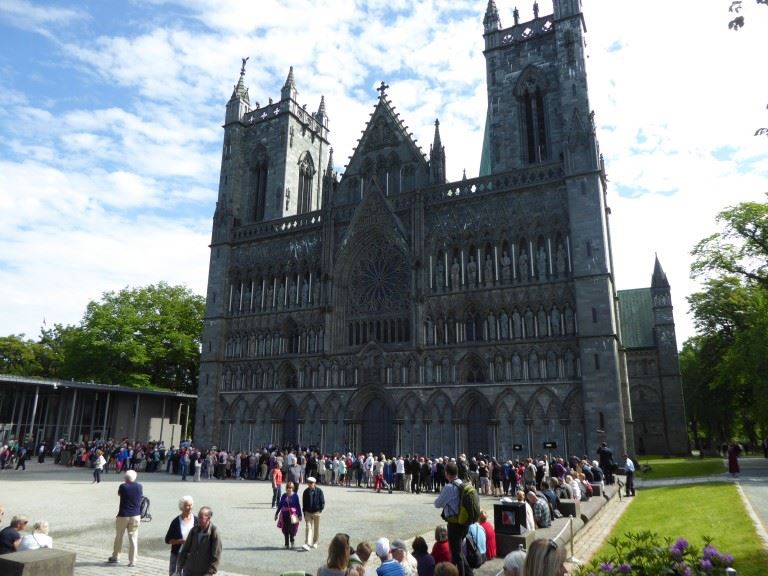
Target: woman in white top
x=98 y=466
x=38 y=539
x=179 y=529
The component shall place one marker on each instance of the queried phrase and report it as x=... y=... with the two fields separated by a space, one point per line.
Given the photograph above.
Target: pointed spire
x=321 y=109
x=659 y=276
x=329 y=169
x=241 y=91
x=437 y=157
x=491 y=21
x=289 y=88
x=321 y=115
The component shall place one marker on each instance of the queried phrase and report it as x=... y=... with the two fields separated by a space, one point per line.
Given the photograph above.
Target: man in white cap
x=389 y=566
x=313 y=504
x=128 y=518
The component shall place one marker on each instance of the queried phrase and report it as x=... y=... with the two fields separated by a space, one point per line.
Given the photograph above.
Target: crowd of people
x=196 y=544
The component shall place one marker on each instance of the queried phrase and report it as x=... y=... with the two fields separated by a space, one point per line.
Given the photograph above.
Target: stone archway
x=477 y=429
x=377 y=428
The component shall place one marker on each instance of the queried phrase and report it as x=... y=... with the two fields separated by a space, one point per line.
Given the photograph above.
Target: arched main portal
x=477 y=429
x=290 y=427
x=377 y=428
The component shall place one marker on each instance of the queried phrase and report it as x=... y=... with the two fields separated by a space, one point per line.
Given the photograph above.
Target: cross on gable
x=276 y=111
x=263 y=115
x=382 y=88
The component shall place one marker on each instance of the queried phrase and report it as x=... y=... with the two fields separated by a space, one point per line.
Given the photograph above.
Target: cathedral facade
x=390 y=310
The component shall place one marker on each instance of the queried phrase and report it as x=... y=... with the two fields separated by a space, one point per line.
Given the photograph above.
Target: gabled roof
x=384 y=130
x=637 y=319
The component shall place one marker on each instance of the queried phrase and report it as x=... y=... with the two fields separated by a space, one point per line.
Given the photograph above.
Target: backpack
x=469 y=505
x=473 y=556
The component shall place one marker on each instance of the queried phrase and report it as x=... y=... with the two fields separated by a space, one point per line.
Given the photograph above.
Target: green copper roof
x=636 y=312
x=485 y=158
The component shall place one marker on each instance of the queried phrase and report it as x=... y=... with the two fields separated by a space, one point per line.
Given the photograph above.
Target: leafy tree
x=19 y=356
x=741 y=249
x=728 y=360
x=146 y=336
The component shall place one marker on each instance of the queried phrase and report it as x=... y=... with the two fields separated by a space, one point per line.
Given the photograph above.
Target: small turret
x=491 y=22
x=239 y=103
x=289 y=88
x=437 y=158
x=320 y=115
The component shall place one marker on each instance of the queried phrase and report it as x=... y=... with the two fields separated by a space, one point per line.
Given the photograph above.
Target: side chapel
x=390 y=310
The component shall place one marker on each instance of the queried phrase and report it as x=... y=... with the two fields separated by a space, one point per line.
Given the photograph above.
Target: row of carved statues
x=275 y=293
x=533 y=365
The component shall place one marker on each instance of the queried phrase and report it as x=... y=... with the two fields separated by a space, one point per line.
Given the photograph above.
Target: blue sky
x=111 y=113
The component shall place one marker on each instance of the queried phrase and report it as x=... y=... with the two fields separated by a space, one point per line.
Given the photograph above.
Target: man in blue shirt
x=450 y=501
x=128 y=518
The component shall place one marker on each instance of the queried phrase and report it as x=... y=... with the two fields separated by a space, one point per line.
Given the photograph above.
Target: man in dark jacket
x=201 y=552
x=313 y=504
x=128 y=517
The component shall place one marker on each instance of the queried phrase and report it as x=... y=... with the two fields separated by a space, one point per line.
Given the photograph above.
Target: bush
x=646 y=554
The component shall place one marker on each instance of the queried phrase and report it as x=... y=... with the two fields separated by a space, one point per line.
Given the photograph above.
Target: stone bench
x=569 y=507
x=597 y=488
x=41 y=562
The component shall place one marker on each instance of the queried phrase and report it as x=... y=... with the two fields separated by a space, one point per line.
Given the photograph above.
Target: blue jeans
x=183 y=465
x=276 y=493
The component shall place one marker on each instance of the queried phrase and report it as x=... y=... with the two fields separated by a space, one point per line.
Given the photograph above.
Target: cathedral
x=391 y=310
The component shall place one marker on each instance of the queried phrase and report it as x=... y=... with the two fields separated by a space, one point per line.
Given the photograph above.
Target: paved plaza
x=82 y=515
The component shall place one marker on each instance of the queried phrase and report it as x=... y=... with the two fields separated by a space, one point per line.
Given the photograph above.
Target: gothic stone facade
x=391 y=310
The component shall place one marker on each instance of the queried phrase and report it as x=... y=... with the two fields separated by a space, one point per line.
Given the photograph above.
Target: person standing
x=313 y=504
x=605 y=455
x=128 y=518
x=98 y=467
x=629 y=467
x=450 y=500
x=277 y=485
x=288 y=514
x=179 y=529
x=201 y=552
x=734 y=450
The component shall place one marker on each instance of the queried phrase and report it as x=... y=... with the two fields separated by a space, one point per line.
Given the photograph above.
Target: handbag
x=294 y=518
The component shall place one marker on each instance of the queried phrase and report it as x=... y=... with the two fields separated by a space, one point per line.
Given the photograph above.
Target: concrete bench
x=41 y=562
x=569 y=507
x=597 y=488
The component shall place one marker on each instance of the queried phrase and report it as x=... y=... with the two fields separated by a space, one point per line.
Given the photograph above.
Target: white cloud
x=89 y=194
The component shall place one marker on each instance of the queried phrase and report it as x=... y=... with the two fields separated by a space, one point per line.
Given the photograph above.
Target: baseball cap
x=398 y=545
x=382 y=547
x=311 y=480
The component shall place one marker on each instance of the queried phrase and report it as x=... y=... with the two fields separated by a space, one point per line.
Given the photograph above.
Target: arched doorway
x=377 y=430
x=477 y=430
x=290 y=427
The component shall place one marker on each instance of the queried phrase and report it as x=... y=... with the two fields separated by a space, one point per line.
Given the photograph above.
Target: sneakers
x=314 y=545
x=112 y=560
x=306 y=547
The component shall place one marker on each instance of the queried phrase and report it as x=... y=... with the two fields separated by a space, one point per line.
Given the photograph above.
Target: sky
x=111 y=114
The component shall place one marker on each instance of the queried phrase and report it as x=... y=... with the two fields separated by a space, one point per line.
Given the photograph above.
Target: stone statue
x=504 y=326
x=455 y=275
x=440 y=274
x=516 y=16
x=270 y=296
x=316 y=293
x=488 y=270
x=281 y=296
x=304 y=293
x=535 y=9
x=555 y=322
x=560 y=261
x=471 y=272
x=506 y=268
x=542 y=263
x=523 y=266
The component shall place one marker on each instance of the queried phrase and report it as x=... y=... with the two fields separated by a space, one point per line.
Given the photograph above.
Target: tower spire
x=491 y=21
x=239 y=103
x=321 y=115
x=437 y=157
x=289 y=88
x=659 y=279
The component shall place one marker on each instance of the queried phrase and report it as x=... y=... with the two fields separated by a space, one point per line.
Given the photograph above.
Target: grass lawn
x=680 y=467
x=713 y=510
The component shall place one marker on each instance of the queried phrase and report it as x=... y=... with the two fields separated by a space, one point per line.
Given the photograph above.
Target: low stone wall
x=42 y=562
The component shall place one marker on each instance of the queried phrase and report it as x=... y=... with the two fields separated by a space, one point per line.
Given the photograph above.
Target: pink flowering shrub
x=647 y=554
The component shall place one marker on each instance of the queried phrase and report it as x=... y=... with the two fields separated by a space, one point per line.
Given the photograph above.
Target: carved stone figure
x=555 y=322
x=316 y=292
x=488 y=270
x=304 y=293
x=506 y=268
x=471 y=272
x=440 y=275
x=542 y=263
x=270 y=296
x=560 y=261
x=455 y=270
x=281 y=296
x=504 y=326
x=523 y=266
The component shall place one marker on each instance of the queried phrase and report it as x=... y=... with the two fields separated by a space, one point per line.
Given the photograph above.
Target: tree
x=147 y=337
x=728 y=359
x=19 y=356
x=741 y=249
